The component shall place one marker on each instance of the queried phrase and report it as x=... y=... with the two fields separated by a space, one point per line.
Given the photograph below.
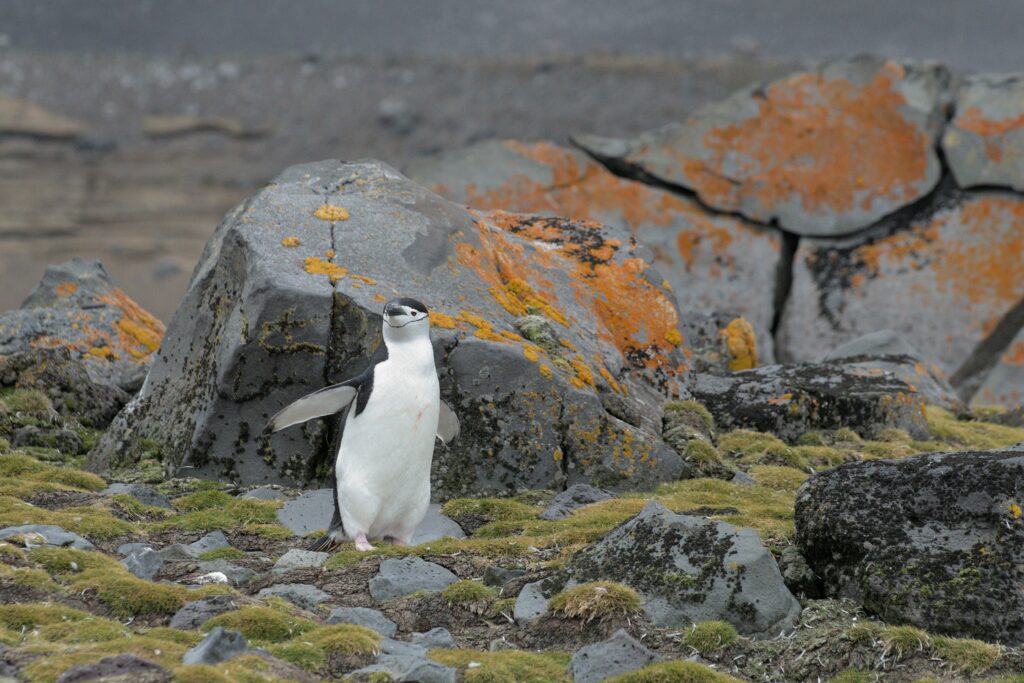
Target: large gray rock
x=943 y=282
x=144 y=563
x=618 y=655
x=234 y=573
x=711 y=261
x=363 y=616
x=576 y=496
x=287 y=297
x=824 y=153
x=196 y=613
x=789 y=400
x=218 y=646
x=297 y=558
x=117 y=669
x=531 y=603
x=411 y=668
x=887 y=351
x=77 y=307
x=402 y=576
x=1002 y=384
x=49 y=534
x=689 y=569
x=313 y=510
x=984 y=143
x=932 y=540
x=299 y=594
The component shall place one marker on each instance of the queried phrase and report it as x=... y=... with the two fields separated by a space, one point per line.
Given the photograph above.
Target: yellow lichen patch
x=741 y=342
x=318 y=266
x=674 y=337
x=582 y=370
x=138 y=332
x=330 y=212
x=362 y=278
x=438 y=319
x=557 y=455
x=1015 y=511
x=104 y=352
x=567 y=344
x=546 y=372
x=484 y=329
x=608 y=377
x=66 y=289
x=291 y=241
x=329 y=253
x=531 y=352
x=381 y=297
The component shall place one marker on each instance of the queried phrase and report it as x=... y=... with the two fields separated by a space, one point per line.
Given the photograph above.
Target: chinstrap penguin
x=382 y=462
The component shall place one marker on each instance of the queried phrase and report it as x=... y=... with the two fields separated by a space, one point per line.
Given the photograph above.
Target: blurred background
x=128 y=128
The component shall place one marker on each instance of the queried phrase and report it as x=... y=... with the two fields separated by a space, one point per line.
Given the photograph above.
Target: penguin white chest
x=383 y=463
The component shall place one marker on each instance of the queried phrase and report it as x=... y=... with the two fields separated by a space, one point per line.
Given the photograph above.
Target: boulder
x=689 y=569
x=302 y=595
x=215 y=540
x=218 y=646
x=77 y=307
x=887 y=351
x=1002 y=384
x=942 y=281
x=297 y=558
x=712 y=262
x=120 y=668
x=434 y=638
x=824 y=153
x=789 y=400
x=287 y=298
x=402 y=576
x=46 y=534
x=984 y=143
x=619 y=654
x=576 y=496
x=932 y=540
x=196 y=613
x=231 y=572
x=146 y=495
x=144 y=563
x=363 y=616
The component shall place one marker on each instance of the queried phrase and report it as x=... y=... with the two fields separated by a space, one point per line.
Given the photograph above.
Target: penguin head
x=405 y=318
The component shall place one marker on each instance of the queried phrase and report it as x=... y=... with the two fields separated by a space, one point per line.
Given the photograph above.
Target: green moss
x=694 y=408
x=854 y=676
x=596 y=601
x=493 y=509
x=202 y=500
x=247 y=514
x=904 y=640
x=186 y=638
x=88 y=630
x=132 y=507
x=971 y=433
x=674 y=672
x=47 y=669
x=91 y=521
x=506 y=666
x=262 y=624
x=708 y=637
x=222 y=554
x=344 y=639
x=702 y=452
x=27 y=401
x=967 y=656
x=467 y=591
x=302 y=654
x=500 y=607
x=29 y=577
x=778 y=478
x=32 y=614
x=812 y=439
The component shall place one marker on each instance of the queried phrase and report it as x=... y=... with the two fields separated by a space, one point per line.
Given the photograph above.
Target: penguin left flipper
x=447 y=424
x=326 y=401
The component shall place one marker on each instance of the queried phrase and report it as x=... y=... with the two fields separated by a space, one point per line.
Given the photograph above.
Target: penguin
x=382 y=459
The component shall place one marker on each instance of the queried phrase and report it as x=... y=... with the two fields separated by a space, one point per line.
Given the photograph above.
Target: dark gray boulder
x=789 y=400
x=688 y=569
x=402 y=576
x=76 y=306
x=47 y=534
x=234 y=573
x=363 y=616
x=296 y=558
x=144 y=563
x=576 y=496
x=196 y=613
x=287 y=298
x=932 y=540
x=301 y=595
x=218 y=646
x=146 y=495
x=618 y=655
x=119 y=668
x=887 y=351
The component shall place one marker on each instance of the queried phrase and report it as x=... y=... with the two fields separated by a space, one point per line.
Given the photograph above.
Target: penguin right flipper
x=326 y=401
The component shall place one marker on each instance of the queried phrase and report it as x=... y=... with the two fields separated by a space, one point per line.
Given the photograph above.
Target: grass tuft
x=674 y=672
x=464 y=591
x=507 y=666
x=596 y=601
x=708 y=637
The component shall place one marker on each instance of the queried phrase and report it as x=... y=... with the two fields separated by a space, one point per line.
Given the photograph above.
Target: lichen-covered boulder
x=538 y=323
x=689 y=569
x=943 y=283
x=790 y=400
x=932 y=540
x=77 y=307
x=1003 y=384
x=984 y=143
x=825 y=153
x=713 y=262
x=887 y=351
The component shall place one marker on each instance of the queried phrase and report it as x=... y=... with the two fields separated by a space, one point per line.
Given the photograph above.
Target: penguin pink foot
x=362 y=543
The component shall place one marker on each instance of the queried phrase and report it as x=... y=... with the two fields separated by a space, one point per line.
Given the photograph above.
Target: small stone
x=530 y=603
x=194 y=614
x=127 y=549
x=435 y=637
x=398 y=577
x=125 y=667
x=498 y=576
x=215 y=540
x=234 y=574
x=218 y=646
x=299 y=594
x=146 y=495
x=50 y=535
x=299 y=559
x=409 y=668
x=576 y=496
x=363 y=616
x=144 y=563
x=798 y=576
x=618 y=655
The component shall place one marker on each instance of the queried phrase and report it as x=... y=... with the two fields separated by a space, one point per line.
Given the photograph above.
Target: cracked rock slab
x=824 y=153
x=712 y=262
x=942 y=284
x=984 y=143
x=932 y=540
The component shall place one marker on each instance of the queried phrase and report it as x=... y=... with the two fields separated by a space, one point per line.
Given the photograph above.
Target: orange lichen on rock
x=546 y=372
x=291 y=241
x=826 y=141
x=318 y=266
x=608 y=376
x=439 y=319
x=582 y=370
x=103 y=352
x=741 y=342
x=532 y=353
x=66 y=289
x=674 y=337
x=484 y=329
x=330 y=212
x=974 y=120
x=1015 y=354
x=138 y=331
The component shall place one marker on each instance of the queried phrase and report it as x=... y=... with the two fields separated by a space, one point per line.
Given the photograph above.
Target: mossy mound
x=674 y=672
x=509 y=666
x=596 y=601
